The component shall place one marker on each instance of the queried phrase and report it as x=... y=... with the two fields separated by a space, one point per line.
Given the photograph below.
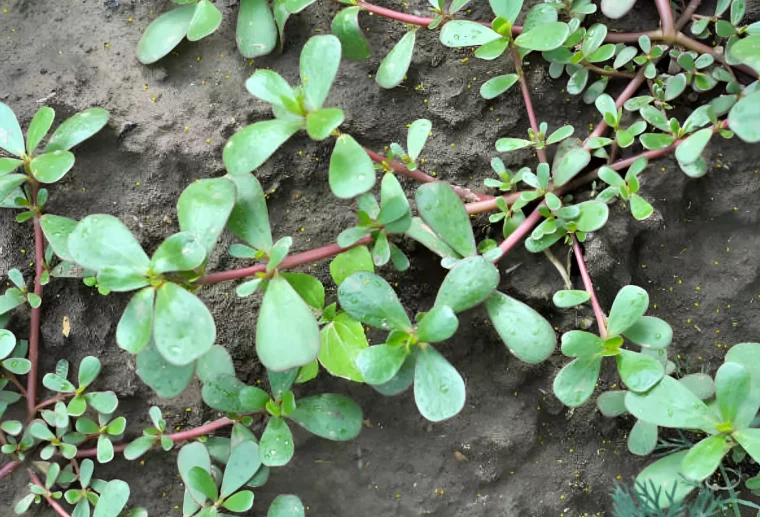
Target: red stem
x=52 y=400
x=464 y=193
x=34 y=332
x=8 y=468
x=14 y=380
x=52 y=502
x=598 y=312
x=289 y=262
x=526 y=226
x=541 y=153
x=188 y=434
x=666 y=16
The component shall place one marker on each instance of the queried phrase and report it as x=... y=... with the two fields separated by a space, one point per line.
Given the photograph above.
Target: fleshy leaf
x=256 y=33
x=466 y=33
x=38 y=128
x=206 y=19
x=320 y=59
x=250 y=147
x=164 y=33
x=704 y=457
x=439 y=390
x=286 y=506
x=470 y=282
x=630 y=304
x=371 y=300
x=575 y=382
x=395 y=65
x=524 y=331
x=343 y=340
x=345 y=26
x=349 y=262
x=57 y=230
x=351 y=169
x=650 y=332
x=100 y=241
x=51 y=167
x=136 y=324
x=276 y=447
x=638 y=371
x=183 y=327
x=440 y=207
x=437 y=325
x=204 y=207
x=329 y=416
x=11 y=137
x=570 y=298
x=671 y=404
x=249 y=219
x=77 y=128
x=642 y=439
x=380 y=363
x=545 y=37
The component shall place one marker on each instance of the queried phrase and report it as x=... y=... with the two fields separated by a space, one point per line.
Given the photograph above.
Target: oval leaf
x=524 y=331
x=183 y=327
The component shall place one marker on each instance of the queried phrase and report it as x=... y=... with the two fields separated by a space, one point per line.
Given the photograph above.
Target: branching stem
x=541 y=153
x=666 y=17
x=52 y=502
x=601 y=320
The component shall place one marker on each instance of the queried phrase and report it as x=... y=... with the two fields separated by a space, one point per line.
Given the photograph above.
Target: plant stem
x=188 y=434
x=290 y=262
x=52 y=502
x=697 y=46
x=14 y=380
x=541 y=153
x=52 y=400
x=598 y=312
x=34 y=332
x=464 y=193
x=608 y=73
x=632 y=37
x=521 y=231
x=422 y=21
x=668 y=25
x=8 y=468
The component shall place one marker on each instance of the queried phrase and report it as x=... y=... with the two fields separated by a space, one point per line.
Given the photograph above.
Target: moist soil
x=514 y=450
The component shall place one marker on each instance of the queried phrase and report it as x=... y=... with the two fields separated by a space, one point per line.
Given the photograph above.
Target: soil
x=514 y=450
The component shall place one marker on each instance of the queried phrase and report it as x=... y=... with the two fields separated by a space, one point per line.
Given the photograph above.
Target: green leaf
x=733 y=385
x=320 y=59
x=700 y=384
x=164 y=33
x=371 y=300
x=642 y=439
x=224 y=392
x=7 y=343
x=11 y=138
x=16 y=365
x=492 y=49
x=343 y=340
x=253 y=399
x=104 y=449
x=121 y=279
x=571 y=163
x=594 y=38
x=506 y=145
x=201 y=481
x=612 y=403
x=470 y=282
x=544 y=37
x=560 y=134
x=744 y=117
x=136 y=324
x=570 y=298
x=738 y=8
x=296 y=6
x=287 y=334
x=576 y=381
x=9 y=165
x=393 y=68
x=216 y=361
x=351 y=169
x=650 y=332
x=183 y=327
x=417 y=136
x=498 y=85
x=77 y=128
x=249 y=219
x=250 y=147
x=380 y=363
x=345 y=26
x=696 y=169
x=671 y=404
x=113 y=498
x=204 y=207
x=524 y=331
x=276 y=448
x=9 y=182
x=691 y=149
x=329 y=416
x=640 y=208
x=179 y=252
x=191 y=456
x=750 y=440
x=58 y=384
x=630 y=304
x=256 y=33
x=507 y=9
x=51 y=167
x=100 y=241
x=349 y=262
x=704 y=457
x=423 y=234
x=439 y=390
x=655 y=117
x=593 y=215
x=286 y=506
x=440 y=207
x=465 y=33
x=57 y=230
x=240 y=502
x=38 y=128
x=104 y=402
x=437 y=325
x=206 y=19
x=638 y=371
x=89 y=369
x=270 y=87
x=321 y=123
x=655 y=141
x=138 y=447
x=665 y=476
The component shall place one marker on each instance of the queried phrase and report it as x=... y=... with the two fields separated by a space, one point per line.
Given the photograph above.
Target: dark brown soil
x=514 y=450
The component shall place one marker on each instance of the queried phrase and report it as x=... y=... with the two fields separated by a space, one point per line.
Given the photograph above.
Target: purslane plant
x=173 y=333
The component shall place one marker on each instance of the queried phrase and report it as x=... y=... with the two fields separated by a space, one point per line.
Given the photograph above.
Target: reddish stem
x=632 y=37
x=8 y=468
x=598 y=312
x=666 y=16
x=289 y=262
x=14 y=380
x=541 y=153
x=52 y=502
x=464 y=193
x=34 y=332
x=422 y=21
x=526 y=226
x=52 y=400
x=188 y=434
